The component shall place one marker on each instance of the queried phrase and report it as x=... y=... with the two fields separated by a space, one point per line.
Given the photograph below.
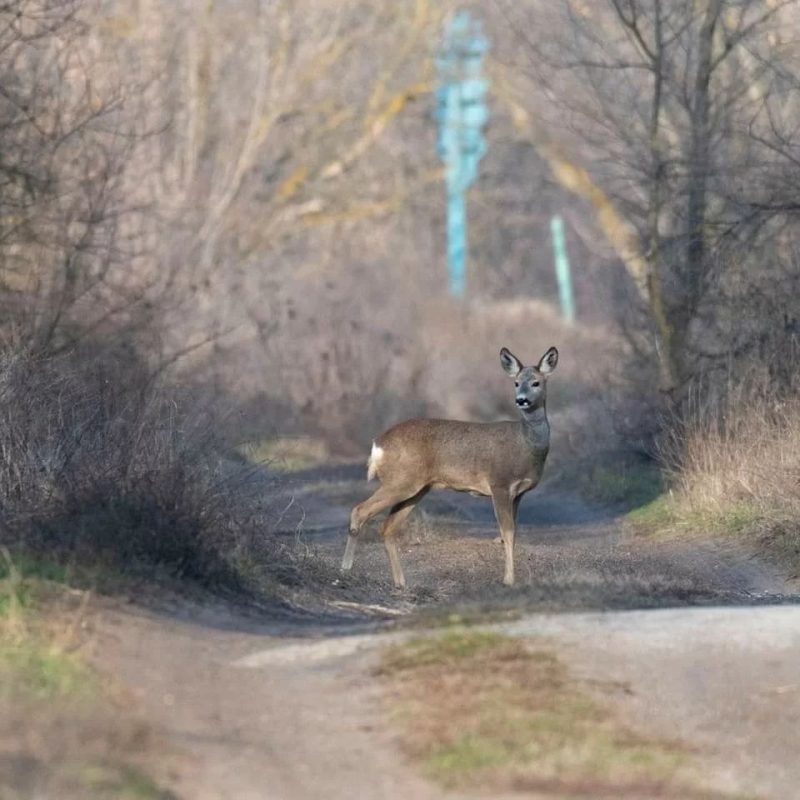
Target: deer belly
x=476 y=490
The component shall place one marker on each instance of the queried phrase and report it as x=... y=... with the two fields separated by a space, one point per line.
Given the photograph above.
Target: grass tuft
x=33 y=663
x=658 y=513
x=41 y=671
x=287 y=453
x=63 y=731
x=624 y=484
x=122 y=782
x=448 y=648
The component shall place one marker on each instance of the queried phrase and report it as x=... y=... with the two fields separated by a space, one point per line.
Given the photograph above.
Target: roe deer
x=501 y=460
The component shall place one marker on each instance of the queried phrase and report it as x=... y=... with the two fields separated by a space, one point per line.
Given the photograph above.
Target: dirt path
x=724 y=680
x=569 y=555
x=290 y=711
x=299 y=729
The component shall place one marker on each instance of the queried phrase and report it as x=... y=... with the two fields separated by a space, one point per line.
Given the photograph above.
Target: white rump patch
x=375 y=458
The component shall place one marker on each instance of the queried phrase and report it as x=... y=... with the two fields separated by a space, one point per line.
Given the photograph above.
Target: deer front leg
x=514 y=510
x=504 y=511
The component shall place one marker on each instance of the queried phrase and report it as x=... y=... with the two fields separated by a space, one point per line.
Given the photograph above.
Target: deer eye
x=516 y=383
x=535 y=383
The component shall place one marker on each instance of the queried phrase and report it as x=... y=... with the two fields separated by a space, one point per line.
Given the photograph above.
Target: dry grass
x=737 y=469
x=482 y=710
x=287 y=453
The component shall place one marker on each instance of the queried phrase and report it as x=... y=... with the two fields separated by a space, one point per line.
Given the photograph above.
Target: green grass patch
x=38 y=670
x=28 y=566
x=740 y=517
x=668 y=512
x=68 y=731
x=623 y=484
x=480 y=709
x=448 y=648
x=32 y=665
x=772 y=533
x=437 y=618
x=36 y=577
x=465 y=755
x=15 y=597
x=20 y=578
x=658 y=513
x=122 y=782
x=27 y=579
x=737 y=518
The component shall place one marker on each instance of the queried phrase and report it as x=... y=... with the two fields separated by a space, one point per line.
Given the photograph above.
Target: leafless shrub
x=70 y=235
x=347 y=373
x=100 y=462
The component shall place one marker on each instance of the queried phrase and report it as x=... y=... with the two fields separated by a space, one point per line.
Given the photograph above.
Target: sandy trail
x=305 y=728
x=291 y=711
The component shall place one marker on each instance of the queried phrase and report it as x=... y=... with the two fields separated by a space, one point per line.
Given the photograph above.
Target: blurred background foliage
x=242 y=201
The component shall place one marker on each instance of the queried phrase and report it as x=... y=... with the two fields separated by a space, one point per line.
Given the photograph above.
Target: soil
x=685 y=637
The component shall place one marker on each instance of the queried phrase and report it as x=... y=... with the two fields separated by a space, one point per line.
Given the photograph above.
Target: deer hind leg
x=397 y=516
x=383 y=498
x=504 y=508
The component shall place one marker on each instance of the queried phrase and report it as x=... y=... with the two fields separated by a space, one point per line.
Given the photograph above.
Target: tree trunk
x=664 y=330
x=694 y=269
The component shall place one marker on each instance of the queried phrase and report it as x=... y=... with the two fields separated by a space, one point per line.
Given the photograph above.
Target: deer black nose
x=522 y=401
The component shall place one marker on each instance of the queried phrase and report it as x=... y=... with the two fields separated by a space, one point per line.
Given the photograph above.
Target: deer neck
x=536 y=428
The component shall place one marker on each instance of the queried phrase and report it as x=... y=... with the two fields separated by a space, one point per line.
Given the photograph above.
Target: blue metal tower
x=462 y=114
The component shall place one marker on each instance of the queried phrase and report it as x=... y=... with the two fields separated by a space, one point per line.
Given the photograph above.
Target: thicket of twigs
x=100 y=463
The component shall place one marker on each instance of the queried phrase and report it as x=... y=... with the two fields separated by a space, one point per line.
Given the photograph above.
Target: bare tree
x=671 y=108
x=68 y=234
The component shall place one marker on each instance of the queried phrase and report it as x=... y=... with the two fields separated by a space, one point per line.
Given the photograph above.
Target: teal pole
x=563 y=274
x=457 y=241
x=462 y=113
x=456 y=194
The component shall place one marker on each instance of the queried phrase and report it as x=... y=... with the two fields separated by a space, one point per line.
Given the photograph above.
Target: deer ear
x=548 y=361
x=510 y=363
